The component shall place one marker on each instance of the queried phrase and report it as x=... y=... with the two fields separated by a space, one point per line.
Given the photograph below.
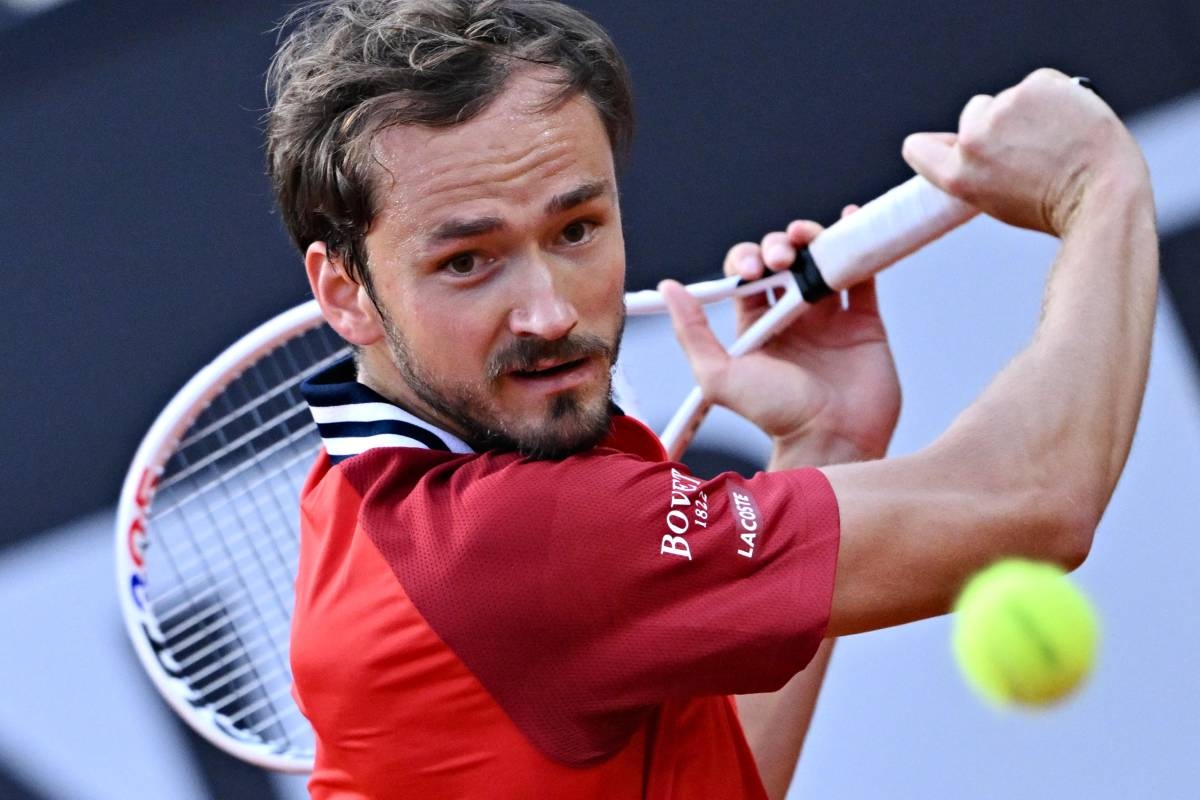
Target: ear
x=344 y=302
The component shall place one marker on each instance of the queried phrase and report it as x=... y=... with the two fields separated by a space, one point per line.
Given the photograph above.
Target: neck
x=377 y=371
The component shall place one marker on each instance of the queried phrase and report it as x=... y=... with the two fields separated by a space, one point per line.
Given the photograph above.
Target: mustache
x=523 y=355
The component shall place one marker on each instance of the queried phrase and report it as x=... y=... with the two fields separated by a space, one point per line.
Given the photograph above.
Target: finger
x=744 y=260
x=934 y=156
x=948 y=138
x=705 y=354
x=802 y=231
x=1048 y=74
x=848 y=210
x=863 y=297
x=778 y=252
x=974 y=112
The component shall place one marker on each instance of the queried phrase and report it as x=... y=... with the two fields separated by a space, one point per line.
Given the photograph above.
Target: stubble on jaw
x=571 y=423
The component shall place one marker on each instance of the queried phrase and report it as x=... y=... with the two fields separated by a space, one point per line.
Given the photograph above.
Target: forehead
x=515 y=153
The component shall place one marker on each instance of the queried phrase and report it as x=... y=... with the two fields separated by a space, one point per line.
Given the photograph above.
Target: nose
x=541 y=308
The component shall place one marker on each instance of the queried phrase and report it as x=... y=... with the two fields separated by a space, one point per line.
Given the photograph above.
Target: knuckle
x=976 y=103
x=957 y=184
x=971 y=142
x=738 y=255
x=1045 y=74
x=1003 y=104
x=802 y=231
x=741 y=249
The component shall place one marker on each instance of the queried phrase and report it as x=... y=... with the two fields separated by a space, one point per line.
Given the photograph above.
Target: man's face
x=498 y=265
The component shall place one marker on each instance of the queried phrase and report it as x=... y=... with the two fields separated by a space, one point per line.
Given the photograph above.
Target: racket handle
x=683 y=426
x=884 y=231
x=848 y=252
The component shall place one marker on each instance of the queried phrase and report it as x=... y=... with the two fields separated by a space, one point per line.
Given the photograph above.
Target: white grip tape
x=853 y=249
x=885 y=230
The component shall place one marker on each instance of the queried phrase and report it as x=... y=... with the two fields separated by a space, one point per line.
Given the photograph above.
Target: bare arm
x=1030 y=466
x=842 y=403
x=776 y=723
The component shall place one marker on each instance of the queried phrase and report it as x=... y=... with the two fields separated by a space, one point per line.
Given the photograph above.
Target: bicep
x=913 y=529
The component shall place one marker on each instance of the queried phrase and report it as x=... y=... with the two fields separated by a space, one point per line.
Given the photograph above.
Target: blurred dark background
x=139 y=235
x=139 y=239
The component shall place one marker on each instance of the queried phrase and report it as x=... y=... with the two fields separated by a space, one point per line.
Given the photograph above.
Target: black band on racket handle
x=813 y=287
x=812 y=283
x=1086 y=83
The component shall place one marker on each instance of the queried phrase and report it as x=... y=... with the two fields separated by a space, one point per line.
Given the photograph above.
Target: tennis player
x=505 y=589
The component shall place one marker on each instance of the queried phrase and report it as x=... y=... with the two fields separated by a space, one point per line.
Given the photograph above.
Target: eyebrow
x=577 y=196
x=453 y=229
x=465 y=228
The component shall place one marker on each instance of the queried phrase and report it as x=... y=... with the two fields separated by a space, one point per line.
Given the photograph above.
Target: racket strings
x=184 y=614
x=226 y=632
x=232 y=448
x=255 y=517
x=225 y=509
x=269 y=393
x=183 y=638
x=247 y=516
x=222 y=660
x=193 y=560
x=223 y=558
x=284 y=510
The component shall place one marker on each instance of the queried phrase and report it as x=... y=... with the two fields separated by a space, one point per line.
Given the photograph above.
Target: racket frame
x=137 y=494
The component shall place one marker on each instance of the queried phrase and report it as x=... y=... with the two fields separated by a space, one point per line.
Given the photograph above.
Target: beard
x=572 y=422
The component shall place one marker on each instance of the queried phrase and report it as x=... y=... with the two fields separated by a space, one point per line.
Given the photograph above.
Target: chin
x=568 y=426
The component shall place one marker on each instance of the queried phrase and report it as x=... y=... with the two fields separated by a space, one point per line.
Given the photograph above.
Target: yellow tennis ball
x=1023 y=633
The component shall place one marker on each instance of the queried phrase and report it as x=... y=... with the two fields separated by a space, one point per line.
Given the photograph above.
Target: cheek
x=448 y=338
x=605 y=282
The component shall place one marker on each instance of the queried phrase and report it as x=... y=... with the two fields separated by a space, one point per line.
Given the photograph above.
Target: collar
x=352 y=418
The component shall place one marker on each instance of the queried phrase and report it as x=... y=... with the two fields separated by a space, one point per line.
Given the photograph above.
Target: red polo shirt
x=485 y=625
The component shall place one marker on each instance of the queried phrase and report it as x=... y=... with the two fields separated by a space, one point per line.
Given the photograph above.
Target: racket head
x=207 y=540
x=186 y=587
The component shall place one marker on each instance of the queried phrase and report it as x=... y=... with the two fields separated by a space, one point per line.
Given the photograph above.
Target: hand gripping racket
x=207 y=524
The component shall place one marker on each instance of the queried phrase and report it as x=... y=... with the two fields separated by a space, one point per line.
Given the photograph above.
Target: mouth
x=548 y=369
x=555 y=376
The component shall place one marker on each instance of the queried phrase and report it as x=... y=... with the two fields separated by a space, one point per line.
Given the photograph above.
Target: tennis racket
x=207 y=530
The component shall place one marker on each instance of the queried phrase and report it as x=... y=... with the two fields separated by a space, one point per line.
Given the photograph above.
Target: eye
x=579 y=231
x=462 y=264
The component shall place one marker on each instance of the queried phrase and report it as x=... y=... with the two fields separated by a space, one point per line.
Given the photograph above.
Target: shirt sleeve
x=584 y=592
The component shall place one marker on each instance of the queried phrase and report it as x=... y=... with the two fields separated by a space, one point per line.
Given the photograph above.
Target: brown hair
x=351 y=68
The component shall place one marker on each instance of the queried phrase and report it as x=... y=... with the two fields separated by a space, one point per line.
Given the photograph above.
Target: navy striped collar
x=353 y=418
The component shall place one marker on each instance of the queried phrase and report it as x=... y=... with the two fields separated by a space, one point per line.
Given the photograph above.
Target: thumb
x=705 y=353
x=933 y=155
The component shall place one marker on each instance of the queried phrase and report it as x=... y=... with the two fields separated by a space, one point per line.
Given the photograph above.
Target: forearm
x=1029 y=467
x=776 y=723
x=1058 y=423
x=1084 y=376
